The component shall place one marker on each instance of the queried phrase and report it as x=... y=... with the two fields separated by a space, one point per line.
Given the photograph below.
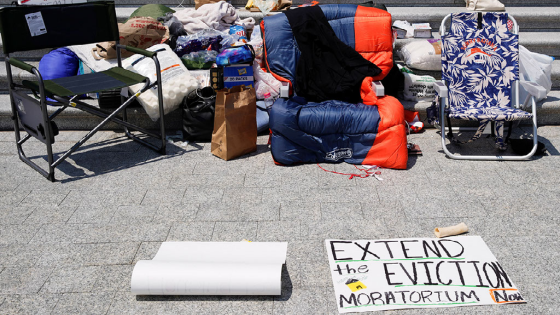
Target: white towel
x=84 y=53
x=219 y=16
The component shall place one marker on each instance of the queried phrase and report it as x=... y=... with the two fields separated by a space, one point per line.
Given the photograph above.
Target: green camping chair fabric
x=26 y=28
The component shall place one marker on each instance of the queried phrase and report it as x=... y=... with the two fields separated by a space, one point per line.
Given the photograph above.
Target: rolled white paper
x=211 y=268
x=451 y=230
x=154 y=277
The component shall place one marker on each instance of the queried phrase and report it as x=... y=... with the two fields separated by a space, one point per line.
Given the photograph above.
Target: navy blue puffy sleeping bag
x=322 y=132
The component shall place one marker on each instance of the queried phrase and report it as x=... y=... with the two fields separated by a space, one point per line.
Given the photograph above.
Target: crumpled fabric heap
x=219 y=16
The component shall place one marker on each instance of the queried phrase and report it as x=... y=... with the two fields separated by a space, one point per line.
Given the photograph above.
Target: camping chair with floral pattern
x=480 y=66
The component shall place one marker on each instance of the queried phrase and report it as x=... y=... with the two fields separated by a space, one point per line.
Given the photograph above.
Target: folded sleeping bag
x=334 y=130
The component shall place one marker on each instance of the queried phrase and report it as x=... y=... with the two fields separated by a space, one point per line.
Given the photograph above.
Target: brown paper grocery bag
x=140 y=32
x=235 y=123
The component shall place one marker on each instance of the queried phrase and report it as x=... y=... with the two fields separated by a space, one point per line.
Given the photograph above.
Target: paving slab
x=78 y=303
x=191 y=232
x=40 y=304
x=77 y=279
x=20 y=255
x=23 y=280
x=278 y=231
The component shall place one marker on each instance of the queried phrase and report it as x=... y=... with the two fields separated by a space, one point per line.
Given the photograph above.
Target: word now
x=506 y=296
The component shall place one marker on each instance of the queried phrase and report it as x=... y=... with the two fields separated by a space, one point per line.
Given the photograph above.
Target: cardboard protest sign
x=375 y=275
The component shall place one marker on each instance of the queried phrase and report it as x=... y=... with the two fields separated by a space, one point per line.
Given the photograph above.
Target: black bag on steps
x=198 y=114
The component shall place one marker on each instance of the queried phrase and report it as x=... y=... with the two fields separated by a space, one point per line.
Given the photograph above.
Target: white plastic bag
x=265 y=5
x=423 y=54
x=202 y=76
x=485 y=5
x=405 y=26
x=418 y=87
x=536 y=69
x=176 y=80
x=257 y=43
x=265 y=82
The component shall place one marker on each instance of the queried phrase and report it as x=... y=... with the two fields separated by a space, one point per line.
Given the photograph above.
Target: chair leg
x=163 y=149
x=160 y=149
x=493 y=157
x=107 y=118
x=50 y=157
x=49 y=138
x=19 y=143
x=450 y=130
x=510 y=127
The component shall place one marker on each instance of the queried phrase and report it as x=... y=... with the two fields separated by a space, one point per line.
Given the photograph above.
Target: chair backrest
x=480 y=60
x=36 y=27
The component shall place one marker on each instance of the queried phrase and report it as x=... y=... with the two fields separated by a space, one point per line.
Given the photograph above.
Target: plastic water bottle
x=268 y=100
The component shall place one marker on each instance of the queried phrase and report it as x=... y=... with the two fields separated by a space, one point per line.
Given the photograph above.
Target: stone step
x=408 y=3
x=547 y=43
x=548 y=113
x=555 y=73
x=542 y=42
x=531 y=20
x=534 y=18
x=548 y=110
x=75 y=119
x=20 y=75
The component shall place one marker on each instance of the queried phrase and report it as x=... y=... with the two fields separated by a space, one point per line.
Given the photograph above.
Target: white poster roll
x=211 y=268
x=186 y=278
x=241 y=252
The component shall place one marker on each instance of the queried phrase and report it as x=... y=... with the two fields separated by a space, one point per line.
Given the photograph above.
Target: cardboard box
x=241 y=74
x=422 y=30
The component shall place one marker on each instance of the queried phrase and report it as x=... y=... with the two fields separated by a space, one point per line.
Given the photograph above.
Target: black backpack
x=198 y=114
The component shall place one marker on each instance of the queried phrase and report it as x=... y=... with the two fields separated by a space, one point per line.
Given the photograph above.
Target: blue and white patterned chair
x=480 y=66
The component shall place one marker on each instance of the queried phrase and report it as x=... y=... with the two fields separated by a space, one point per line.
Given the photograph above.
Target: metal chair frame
x=66 y=102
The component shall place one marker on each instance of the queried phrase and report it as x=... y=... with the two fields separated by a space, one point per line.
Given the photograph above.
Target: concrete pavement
x=69 y=247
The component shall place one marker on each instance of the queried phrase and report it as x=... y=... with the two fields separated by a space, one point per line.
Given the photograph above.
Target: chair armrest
x=441 y=88
x=378 y=87
x=137 y=50
x=20 y=64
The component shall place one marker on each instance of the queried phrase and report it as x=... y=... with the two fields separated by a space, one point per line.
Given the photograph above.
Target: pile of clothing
x=196 y=36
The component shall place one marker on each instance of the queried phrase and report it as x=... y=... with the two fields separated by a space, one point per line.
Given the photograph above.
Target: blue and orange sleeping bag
x=371 y=132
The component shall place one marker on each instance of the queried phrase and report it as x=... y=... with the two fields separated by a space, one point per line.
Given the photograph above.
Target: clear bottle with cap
x=268 y=100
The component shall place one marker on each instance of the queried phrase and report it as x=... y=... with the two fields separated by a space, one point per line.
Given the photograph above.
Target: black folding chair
x=26 y=28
